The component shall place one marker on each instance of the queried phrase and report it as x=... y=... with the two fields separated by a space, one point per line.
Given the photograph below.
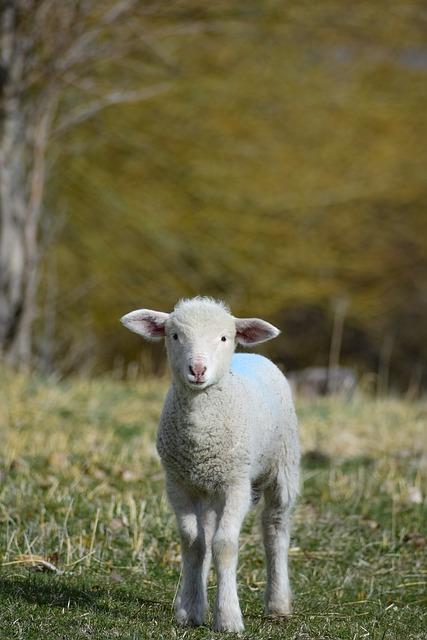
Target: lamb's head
x=201 y=335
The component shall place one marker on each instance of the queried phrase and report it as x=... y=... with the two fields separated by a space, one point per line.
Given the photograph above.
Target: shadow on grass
x=54 y=591
x=316 y=459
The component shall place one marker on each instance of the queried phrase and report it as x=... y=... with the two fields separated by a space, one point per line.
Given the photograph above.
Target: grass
x=89 y=547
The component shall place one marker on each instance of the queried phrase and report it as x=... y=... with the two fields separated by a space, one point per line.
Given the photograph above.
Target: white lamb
x=228 y=433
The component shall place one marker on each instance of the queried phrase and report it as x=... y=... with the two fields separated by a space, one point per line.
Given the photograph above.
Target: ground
x=89 y=547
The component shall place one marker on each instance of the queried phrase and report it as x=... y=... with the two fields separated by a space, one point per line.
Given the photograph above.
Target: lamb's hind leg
x=276 y=531
x=196 y=523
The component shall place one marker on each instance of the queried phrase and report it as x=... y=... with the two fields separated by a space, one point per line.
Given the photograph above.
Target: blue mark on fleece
x=250 y=365
x=258 y=372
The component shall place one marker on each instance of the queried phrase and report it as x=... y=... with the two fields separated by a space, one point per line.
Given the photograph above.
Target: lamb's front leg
x=232 y=511
x=196 y=525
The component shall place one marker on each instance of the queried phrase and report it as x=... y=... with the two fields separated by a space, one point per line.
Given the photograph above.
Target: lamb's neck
x=193 y=402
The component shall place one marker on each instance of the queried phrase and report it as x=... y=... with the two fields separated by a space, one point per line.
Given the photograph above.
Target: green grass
x=81 y=488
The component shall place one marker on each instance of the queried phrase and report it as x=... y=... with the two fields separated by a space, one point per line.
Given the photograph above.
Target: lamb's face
x=200 y=336
x=200 y=344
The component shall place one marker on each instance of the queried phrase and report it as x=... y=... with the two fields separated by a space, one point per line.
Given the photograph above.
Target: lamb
x=227 y=434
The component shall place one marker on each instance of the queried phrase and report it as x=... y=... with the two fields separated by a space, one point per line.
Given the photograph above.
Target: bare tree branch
x=116 y=97
x=116 y=11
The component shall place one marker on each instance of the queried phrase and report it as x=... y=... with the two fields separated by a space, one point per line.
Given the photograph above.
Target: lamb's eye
x=224 y=339
x=175 y=336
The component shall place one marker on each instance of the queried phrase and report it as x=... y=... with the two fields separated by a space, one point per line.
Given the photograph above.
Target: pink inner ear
x=154 y=327
x=249 y=334
x=254 y=330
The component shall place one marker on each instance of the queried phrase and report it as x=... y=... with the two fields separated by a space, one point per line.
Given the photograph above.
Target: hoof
x=230 y=623
x=189 y=618
x=279 y=608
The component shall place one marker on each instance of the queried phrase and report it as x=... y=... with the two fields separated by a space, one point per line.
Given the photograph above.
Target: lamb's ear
x=149 y=324
x=253 y=331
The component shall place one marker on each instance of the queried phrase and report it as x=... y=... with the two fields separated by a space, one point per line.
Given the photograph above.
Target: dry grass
x=89 y=547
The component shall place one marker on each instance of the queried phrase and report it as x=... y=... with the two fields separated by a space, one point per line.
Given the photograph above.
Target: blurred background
x=270 y=154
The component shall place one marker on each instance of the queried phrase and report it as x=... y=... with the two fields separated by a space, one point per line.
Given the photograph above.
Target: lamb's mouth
x=197 y=384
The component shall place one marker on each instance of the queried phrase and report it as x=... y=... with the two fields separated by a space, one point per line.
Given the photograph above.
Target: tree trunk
x=12 y=192
x=37 y=65
x=22 y=160
x=14 y=344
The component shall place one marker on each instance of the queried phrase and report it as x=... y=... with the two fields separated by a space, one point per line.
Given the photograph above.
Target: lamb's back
x=260 y=374
x=270 y=413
